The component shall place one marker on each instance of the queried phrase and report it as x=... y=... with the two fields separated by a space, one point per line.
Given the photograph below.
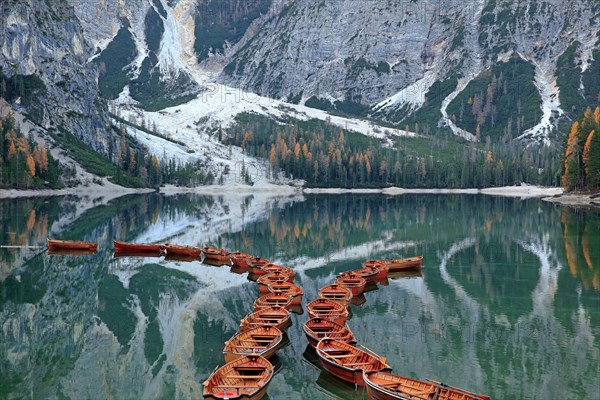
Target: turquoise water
x=508 y=303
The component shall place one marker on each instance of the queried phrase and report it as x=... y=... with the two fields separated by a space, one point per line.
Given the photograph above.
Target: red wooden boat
x=380 y=265
x=316 y=329
x=262 y=340
x=336 y=292
x=327 y=309
x=273 y=299
x=216 y=255
x=348 y=362
x=246 y=378
x=387 y=386
x=240 y=259
x=355 y=283
x=269 y=268
x=294 y=291
x=54 y=244
x=275 y=316
x=403 y=264
x=179 y=250
x=139 y=248
x=178 y=257
x=257 y=262
x=273 y=277
x=369 y=274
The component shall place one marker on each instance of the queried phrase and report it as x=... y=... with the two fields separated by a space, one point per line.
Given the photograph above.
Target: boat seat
x=243 y=376
x=343 y=356
x=357 y=364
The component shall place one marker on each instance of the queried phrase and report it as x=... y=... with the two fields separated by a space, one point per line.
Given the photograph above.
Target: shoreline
x=110 y=191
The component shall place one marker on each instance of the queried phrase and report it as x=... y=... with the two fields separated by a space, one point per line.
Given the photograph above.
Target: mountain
x=492 y=71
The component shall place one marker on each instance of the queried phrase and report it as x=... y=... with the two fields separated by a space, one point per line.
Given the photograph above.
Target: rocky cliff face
x=388 y=59
x=44 y=42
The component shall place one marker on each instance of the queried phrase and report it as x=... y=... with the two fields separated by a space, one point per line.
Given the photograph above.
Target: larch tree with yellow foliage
x=582 y=153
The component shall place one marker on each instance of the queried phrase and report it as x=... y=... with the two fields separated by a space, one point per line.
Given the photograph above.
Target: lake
x=508 y=302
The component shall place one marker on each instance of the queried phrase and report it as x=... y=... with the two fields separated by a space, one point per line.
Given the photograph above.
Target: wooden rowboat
x=355 y=283
x=275 y=316
x=348 y=362
x=179 y=250
x=274 y=277
x=139 y=248
x=327 y=309
x=269 y=268
x=294 y=291
x=335 y=292
x=262 y=340
x=403 y=264
x=316 y=329
x=54 y=244
x=240 y=259
x=216 y=255
x=369 y=274
x=387 y=386
x=273 y=299
x=257 y=262
x=246 y=378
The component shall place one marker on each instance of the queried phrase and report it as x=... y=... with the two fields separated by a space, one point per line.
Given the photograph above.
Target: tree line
x=327 y=156
x=23 y=163
x=581 y=160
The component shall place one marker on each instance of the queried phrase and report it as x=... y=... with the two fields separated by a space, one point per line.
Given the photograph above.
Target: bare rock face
x=43 y=42
x=384 y=57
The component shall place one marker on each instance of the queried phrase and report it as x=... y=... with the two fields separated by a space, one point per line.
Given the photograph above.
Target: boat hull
x=56 y=245
x=277 y=317
x=264 y=341
x=404 y=264
x=337 y=365
x=184 y=251
x=387 y=386
x=245 y=378
x=317 y=328
x=138 y=248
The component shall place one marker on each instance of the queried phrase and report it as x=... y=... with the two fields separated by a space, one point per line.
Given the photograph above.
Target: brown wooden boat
x=336 y=292
x=275 y=316
x=273 y=299
x=273 y=277
x=262 y=340
x=139 y=248
x=387 y=386
x=294 y=291
x=403 y=264
x=316 y=329
x=327 y=309
x=257 y=262
x=348 y=362
x=269 y=268
x=354 y=282
x=240 y=259
x=246 y=378
x=54 y=244
x=188 y=251
x=369 y=274
x=216 y=255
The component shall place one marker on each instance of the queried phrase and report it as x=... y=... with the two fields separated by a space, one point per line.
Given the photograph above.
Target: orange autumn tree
x=581 y=159
x=572 y=170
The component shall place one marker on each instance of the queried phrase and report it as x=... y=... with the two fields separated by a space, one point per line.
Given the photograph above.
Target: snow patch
x=545 y=82
x=413 y=94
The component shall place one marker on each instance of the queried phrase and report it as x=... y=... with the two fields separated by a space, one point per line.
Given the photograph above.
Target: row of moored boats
x=247 y=371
